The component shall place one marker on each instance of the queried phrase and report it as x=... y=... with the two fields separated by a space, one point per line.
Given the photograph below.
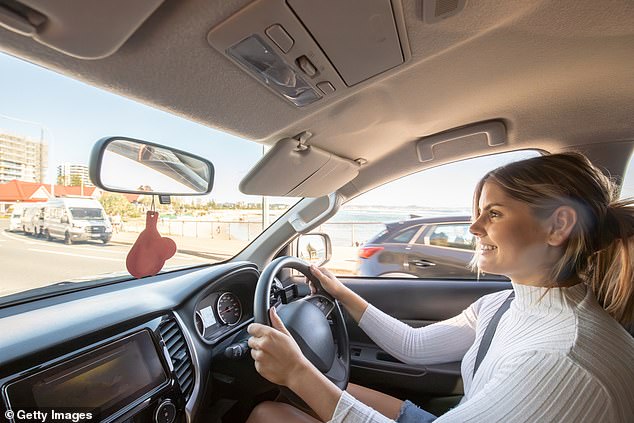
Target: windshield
x=48 y=126
x=86 y=214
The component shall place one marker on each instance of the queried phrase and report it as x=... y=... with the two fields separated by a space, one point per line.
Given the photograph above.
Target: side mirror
x=314 y=248
x=120 y=164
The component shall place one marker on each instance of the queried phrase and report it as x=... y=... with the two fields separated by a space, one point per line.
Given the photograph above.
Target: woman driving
x=554 y=226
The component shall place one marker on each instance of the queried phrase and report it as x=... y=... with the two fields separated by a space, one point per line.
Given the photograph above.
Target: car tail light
x=367 y=252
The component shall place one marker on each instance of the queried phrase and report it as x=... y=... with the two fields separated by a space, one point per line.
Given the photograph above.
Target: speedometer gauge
x=229 y=308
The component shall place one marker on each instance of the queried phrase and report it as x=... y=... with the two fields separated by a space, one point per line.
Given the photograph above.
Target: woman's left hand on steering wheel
x=276 y=354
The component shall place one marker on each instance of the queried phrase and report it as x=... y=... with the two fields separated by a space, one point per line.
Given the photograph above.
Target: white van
x=15 y=219
x=76 y=219
x=32 y=219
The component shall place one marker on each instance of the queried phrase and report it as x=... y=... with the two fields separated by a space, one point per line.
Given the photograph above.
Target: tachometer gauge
x=229 y=308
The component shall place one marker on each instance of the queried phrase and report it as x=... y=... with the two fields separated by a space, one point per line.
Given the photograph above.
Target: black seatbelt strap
x=490 y=331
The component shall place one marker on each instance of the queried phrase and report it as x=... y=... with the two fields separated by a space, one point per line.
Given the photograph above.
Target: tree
x=75 y=181
x=114 y=203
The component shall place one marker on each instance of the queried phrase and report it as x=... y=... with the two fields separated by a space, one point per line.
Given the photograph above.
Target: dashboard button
x=165 y=412
x=307 y=66
x=280 y=37
x=326 y=87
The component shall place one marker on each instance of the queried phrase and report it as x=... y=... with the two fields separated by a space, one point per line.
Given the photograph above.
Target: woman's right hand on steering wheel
x=355 y=305
x=329 y=282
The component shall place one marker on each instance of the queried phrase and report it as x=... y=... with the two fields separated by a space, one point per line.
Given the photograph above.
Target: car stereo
x=101 y=382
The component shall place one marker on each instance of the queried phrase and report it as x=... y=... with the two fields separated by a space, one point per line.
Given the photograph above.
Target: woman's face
x=511 y=241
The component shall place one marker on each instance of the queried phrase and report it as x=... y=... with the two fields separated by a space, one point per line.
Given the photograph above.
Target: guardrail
x=343 y=234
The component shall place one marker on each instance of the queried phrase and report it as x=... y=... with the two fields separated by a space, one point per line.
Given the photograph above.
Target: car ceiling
x=557 y=73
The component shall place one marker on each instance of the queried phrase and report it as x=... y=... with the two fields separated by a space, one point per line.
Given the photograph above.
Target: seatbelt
x=490 y=331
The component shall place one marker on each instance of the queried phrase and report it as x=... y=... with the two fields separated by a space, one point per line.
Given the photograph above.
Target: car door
x=418 y=304
x=394 y=258
x=443 y=251
x=55 y=222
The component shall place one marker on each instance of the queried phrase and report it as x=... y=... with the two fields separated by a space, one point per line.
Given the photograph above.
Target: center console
x=129 y=378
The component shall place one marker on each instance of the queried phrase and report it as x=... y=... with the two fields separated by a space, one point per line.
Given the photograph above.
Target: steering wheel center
x=311 y=330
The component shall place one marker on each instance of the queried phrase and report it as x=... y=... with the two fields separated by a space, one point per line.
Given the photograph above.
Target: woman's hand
x=328 y=281
x=277 y=356
x=355 y=305
x=279 y=359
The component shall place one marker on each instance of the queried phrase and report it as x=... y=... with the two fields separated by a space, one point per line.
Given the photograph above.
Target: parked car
x=422 y=248
x=76 y=219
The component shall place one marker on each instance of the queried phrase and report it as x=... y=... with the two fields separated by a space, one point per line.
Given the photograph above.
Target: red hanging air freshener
x=150 y=251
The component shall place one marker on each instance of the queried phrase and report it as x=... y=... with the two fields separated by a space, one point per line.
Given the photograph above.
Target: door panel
x=417 y=303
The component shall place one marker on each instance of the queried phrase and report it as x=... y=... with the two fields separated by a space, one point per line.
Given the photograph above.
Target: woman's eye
x=493 y=213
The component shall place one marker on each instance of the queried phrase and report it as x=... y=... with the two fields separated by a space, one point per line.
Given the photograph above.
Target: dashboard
x=152 y=349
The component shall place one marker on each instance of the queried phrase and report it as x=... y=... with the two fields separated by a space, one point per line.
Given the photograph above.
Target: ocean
x=350 y=227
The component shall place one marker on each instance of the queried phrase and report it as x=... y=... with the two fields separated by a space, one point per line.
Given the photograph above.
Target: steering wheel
x=306 y=320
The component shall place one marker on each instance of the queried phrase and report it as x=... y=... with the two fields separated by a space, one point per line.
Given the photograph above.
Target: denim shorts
x=411 y=413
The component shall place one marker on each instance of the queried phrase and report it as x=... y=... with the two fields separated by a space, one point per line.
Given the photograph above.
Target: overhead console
x=305 y=50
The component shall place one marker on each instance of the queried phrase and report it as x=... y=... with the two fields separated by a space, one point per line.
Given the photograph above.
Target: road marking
x=188 y=257
x=118 y=260
x=49 y=244
x=74 y=255
x=100 y=250
x=122 y=252
x=15 y=238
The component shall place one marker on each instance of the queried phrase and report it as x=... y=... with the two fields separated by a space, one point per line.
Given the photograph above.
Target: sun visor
x=292 y=169
x=86 y=29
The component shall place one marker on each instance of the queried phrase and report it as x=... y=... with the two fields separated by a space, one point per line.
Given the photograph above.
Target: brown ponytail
x=600 y=248
x=610 y=270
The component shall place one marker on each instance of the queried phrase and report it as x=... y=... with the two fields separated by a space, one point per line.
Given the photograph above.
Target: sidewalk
x=343 y=261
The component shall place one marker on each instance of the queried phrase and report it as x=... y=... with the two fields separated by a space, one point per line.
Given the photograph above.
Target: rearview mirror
x=127 y=165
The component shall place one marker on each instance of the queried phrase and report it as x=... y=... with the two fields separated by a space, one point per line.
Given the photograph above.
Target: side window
x=450 y=235
x=439 y=236
x=371 y=234
x=405 y=236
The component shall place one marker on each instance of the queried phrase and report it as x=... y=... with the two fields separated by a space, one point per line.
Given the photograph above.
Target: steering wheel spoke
x=324 y=304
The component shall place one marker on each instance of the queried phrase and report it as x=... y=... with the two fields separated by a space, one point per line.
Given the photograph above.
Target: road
x=27 y=262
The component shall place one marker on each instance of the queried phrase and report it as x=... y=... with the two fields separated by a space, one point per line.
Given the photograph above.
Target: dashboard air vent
x=181 y=360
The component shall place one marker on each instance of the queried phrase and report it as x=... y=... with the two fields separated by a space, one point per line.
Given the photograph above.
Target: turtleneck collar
x=536 y=299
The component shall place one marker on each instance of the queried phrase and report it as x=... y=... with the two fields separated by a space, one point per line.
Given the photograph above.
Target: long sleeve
x=440 y=342
x=521 y=390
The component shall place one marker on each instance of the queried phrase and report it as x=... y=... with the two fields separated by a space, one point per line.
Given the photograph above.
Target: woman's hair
x=600 y=248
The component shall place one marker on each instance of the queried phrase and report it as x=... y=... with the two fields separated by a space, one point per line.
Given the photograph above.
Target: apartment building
x=70 y=174
x=22 y=158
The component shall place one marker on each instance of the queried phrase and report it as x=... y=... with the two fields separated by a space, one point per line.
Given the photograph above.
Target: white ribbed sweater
x=556 y=356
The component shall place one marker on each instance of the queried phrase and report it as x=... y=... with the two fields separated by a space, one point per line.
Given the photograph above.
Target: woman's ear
x=562 y=221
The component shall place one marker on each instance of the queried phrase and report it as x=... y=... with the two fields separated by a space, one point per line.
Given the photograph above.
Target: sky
x=74 y=115
x=71 y=116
